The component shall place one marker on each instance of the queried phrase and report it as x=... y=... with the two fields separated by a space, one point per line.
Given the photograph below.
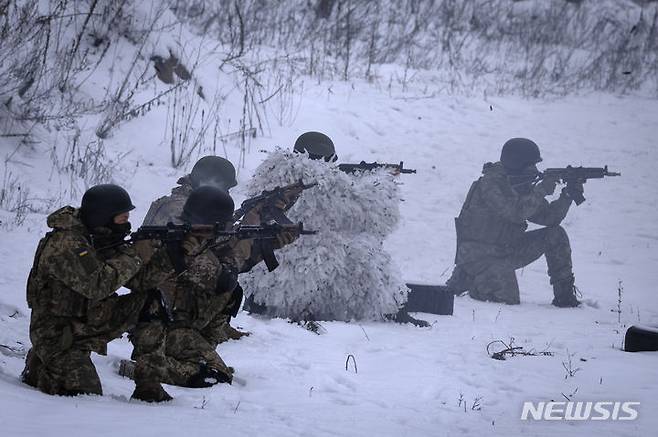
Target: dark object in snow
x=207 y=377
x=166 y=68
x=403 y=316
x=510 y=351
x=313 y=326
x=434 y=299
x=641 y=338
x=367 y=166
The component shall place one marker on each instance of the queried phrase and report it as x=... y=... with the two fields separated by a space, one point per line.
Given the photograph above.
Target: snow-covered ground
x=403 y=380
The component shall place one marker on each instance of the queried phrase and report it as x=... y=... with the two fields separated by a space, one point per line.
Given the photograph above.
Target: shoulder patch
x=87 y=261
x=81 y=251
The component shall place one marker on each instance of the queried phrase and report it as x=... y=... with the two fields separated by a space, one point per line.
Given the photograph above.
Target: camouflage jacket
x=196 y=291
x=169 y=208
x=70 y=279
x=494 y=215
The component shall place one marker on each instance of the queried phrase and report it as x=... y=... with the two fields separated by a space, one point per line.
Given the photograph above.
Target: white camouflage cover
x=343 y=272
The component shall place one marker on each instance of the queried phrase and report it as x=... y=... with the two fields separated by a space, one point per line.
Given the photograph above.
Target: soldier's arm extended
x=509 y=204
x=75 y=263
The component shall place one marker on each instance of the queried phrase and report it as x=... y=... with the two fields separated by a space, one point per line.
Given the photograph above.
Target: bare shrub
x=88 y=162
x=16 y=198
x=502 y=46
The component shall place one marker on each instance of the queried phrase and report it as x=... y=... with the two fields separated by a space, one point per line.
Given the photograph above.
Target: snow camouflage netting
x=343 y=272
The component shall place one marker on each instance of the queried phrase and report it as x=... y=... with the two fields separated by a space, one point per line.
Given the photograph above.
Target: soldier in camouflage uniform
x=213 y=171
x=196 y=286
x=77 y=269
x=199 y=286
x=492 y=241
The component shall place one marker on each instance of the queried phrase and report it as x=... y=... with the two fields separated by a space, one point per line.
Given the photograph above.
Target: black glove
x=574 y=190
x=233 y=305
x=227 y=280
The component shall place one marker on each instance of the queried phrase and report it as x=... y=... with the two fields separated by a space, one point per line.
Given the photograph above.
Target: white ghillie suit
x=343 y=272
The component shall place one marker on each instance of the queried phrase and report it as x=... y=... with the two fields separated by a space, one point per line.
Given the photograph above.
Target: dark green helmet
x=101 y=203
x=519 y=153
x=215 y=171
x=317 y=145
x=208 y=205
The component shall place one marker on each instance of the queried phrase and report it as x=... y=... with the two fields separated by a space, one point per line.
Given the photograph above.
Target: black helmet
x=318 y=146
x=101 y=203
x=208 y=205
x=518 y=153
x=215 y=171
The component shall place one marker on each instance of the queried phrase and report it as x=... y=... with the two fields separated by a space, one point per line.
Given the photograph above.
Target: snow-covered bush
x=349 y=204
x=343 y=272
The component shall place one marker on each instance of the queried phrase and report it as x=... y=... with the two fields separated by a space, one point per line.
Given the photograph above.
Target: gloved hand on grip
x=145 y=249
x=227 y=279
x=574 y=190
x=546 y=186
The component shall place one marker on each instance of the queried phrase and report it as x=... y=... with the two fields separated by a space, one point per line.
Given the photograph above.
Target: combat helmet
x=208 y=205
x=101 y=203
x=519 y=153
x=215 y=171
x=317 y=145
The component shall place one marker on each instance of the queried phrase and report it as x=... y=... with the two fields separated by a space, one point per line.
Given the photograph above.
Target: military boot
x=566 y=293
x=150 y=391
x=147 y=383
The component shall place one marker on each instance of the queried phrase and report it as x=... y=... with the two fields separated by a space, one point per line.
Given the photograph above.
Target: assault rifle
x=570 y=175
x=172 y=234
x=267 y=202
x=367 y=166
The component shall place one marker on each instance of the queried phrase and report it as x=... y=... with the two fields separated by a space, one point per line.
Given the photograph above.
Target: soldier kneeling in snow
x=213 y=171
x=195 y=286
x=492 y=241
x=77 y=269
x=343 y=272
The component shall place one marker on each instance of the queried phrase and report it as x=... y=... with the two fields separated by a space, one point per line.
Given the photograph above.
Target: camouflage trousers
x=174 y=354
x=493 y=278
x=59 y=362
